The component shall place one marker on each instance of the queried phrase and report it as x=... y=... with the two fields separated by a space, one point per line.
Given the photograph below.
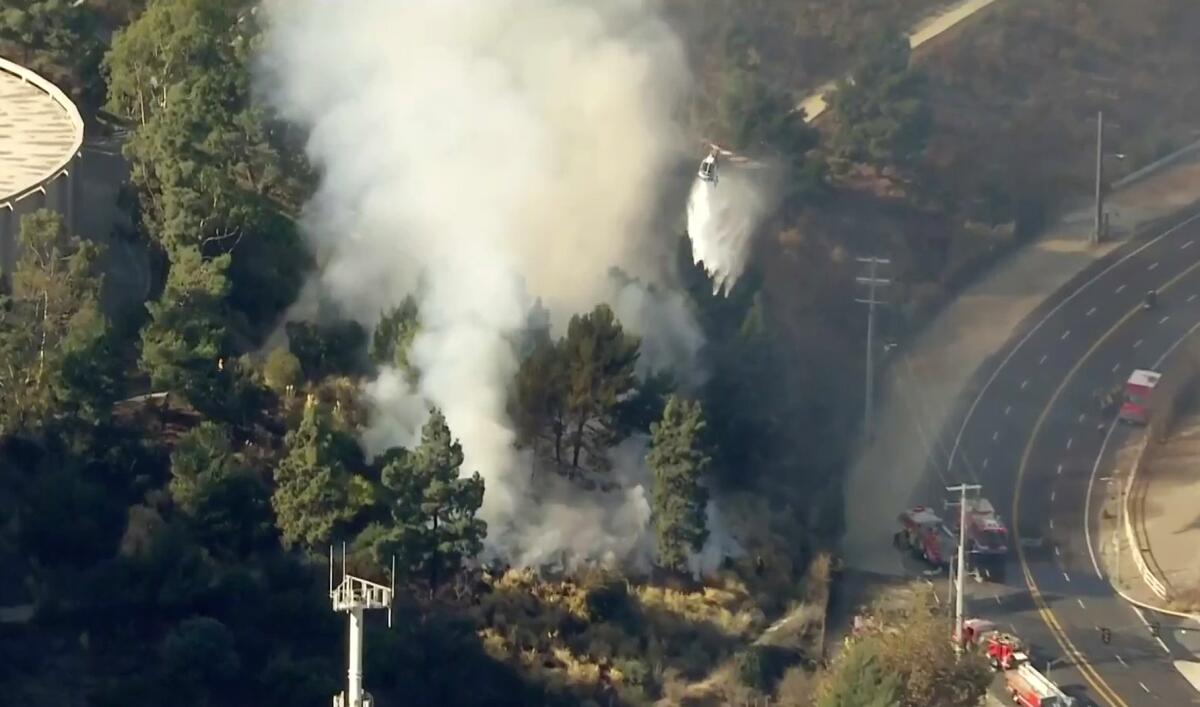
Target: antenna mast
x=354 y=596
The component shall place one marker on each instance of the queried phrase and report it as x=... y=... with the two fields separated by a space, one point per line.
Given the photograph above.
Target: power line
x=872 y=281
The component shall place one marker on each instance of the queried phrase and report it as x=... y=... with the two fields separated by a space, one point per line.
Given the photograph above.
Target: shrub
x=608 y=601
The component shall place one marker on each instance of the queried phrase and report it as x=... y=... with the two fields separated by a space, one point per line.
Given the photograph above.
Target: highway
x=1031 y=432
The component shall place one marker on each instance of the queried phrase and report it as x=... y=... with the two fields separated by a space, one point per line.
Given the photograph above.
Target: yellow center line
x=1089 y=673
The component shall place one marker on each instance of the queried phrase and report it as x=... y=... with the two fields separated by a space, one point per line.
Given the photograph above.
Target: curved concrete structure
x=41 y=136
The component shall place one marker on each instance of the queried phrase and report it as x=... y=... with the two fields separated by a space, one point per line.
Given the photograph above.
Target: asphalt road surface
x=1031 y=432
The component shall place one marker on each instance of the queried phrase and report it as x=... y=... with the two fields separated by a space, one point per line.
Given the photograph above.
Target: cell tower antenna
x=354 y=596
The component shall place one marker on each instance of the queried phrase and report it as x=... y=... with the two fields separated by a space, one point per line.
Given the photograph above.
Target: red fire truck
x=1138 y=389
x=986 y=539
x=1003 y=651
x=926 y=536
x=1030 y=688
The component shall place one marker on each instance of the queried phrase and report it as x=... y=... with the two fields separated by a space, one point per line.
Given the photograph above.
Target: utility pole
x=872 y=282
x=962 y=490
x=1098 y=234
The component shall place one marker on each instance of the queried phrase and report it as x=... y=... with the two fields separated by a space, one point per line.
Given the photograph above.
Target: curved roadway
x=1033 y=436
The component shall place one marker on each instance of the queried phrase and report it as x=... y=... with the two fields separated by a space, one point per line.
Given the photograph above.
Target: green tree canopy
x=433 y=506
x=53 y=337
x=680 y=500
x=600 y=359
x=882 y=112
x=394 y=335
x=200 y=660
x=859 y=680
x=186 y=342
x=316 y=490
x=202 y=458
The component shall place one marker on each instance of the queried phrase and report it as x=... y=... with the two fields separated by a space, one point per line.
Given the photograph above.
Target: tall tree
x=316 y=491
x=394 y=335
x=680 y=500
x=50 y=323
x=433 y=506
x=883 y=116
x=859 y=680
x=600 y=359
x=202 y=458
x=539 y=403
x=186 y=342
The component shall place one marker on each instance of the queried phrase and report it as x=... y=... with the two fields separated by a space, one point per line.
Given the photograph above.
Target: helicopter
x=708 y=166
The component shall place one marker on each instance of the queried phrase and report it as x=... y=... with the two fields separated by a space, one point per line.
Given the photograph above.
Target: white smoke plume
x=497 y=150
x=722 y=219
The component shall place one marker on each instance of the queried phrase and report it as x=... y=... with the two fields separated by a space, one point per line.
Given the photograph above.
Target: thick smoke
x=497 y=151
x=722 y=219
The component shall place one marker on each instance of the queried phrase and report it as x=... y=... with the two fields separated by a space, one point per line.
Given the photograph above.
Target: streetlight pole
x=1098 y=233
x=872 y=282
x=962 y=490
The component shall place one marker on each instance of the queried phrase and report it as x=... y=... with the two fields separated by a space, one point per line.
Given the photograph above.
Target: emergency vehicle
x=986 y=538
x=1029 y=688
x=1003 y=651
x=1138 y=389
x=924 y=534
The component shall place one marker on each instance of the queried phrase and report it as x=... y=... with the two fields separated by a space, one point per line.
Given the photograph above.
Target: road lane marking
x=1164 y=319
x=1052 y=524
x=1080 y=420
x=1144 y=687
x=1024 y=383
x=1059 y=469
x=1152 y=266
x=1121 y=660
x=1090 y=312
x=1142 y=615
x=1052 y=496
x=1137 y=343
x=1119 y=289
x=1042 y=359
x=1187 y=245
x=1070 y=441
x=995 y=435
x=1081 y=604
x=985 y=462
x=1057 y=551
x=1065 y=335
x=1116 y=366
x=1007 y=409
x=1192 y=297
x=1067 y=577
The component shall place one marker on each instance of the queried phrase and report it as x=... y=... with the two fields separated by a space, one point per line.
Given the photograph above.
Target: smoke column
x=495 y=151
x=722 y=219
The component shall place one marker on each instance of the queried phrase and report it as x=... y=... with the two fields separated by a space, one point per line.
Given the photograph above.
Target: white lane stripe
x=1024 y=383
x=985 y=462
x=1066 y=577
x=1081 y=604
x=1070 y=441
x=1121 y=660
x=1052 y=524
x=1187 y=245
x=1065 y=335
x=1137 y=343
x=1164 y=319
x=1152 y=266
x=1052 y=494
x=995 y=435
x=1045 y=318
x=1144 y=687
x=1057 y=552
x=1119 y=289
x=1090 y=312
x=1042 y=359
x=1007 y=409
x=1060 y=468
x=1080 y=420
x=1192 y=297
x=1116 y=366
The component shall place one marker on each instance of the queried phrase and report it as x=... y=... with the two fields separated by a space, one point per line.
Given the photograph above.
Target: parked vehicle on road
x=924 y=534
x=1139 y=392
x=1003 y=651
x=986 y=538
x=1029 y=688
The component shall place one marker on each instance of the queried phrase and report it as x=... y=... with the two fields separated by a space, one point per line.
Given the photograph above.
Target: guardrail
x=1137 y=540
x=56 y=94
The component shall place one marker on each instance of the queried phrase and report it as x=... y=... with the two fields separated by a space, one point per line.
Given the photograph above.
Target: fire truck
x=1135 y=408
x=986 y=539
x=924 y=534
x=1029 y=688
x=1003 y=651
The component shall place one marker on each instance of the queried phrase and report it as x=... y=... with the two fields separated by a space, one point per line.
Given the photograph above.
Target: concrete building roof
x=41 y=131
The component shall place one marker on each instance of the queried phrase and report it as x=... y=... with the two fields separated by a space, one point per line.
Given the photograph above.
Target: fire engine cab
x=1030 y=688
x=986 y=538
x=1003 y=651
x=1138 y=389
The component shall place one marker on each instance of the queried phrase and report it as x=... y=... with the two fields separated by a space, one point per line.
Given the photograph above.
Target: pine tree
x=680 y=500
x=600 y=359
x=315 y=491
x=394 y=335
x=433 y=506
